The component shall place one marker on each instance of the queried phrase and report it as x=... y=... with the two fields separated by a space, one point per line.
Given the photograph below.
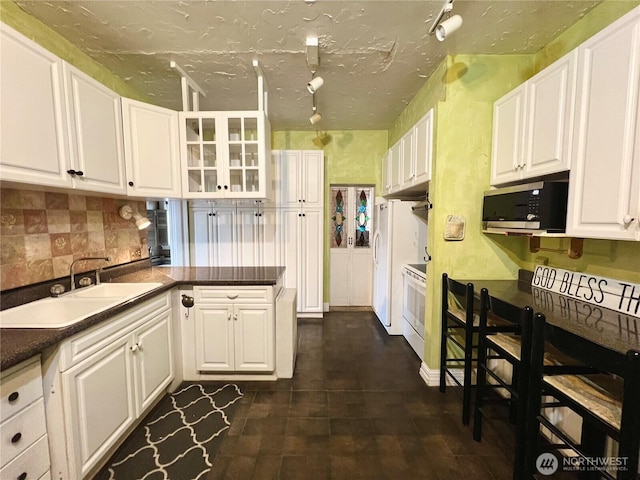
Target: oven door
x=413 y=308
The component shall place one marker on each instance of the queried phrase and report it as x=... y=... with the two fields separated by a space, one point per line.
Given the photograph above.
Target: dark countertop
x=616 y=331
x=18 y=344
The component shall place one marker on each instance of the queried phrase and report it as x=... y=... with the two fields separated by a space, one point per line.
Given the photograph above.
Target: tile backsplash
x=41 y=233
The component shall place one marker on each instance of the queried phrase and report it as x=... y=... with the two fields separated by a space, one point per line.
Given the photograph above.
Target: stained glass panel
x=338 y=224
x=363 y=218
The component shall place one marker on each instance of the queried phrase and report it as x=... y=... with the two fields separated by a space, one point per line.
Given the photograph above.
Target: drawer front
x=34 y=461
x=86 y=343
x=21 y=431
x=20 y=388
x=233 y=295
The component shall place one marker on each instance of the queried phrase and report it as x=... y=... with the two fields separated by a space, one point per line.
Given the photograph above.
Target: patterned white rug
x=179 y=438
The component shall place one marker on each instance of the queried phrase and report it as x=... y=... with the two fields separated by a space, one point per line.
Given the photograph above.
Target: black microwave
x=530 y=208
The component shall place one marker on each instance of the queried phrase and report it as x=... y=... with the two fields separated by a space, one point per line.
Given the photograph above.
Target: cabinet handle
x=16 y=438
x=131 y=184
x=255 y=214
x=134 y=347
x=13 y=396
x=226 y=187
x=71 y=171
x=304 y=201
x=299 y=200
x=80 y=173
x=232 y=297
x=235 y=317
x=22 y=476
x=304 y=215
x=299 y=214
x=259 y=214
x=229 y=317
x=219 y=187
x=627 y=219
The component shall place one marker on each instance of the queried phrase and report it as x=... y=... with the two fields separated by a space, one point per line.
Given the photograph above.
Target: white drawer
x=20 y=431
x=20 y=387
x=259 y=294
x=34 y=462
x=85 y=344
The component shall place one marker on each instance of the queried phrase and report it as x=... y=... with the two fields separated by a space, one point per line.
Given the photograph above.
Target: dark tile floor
x=356 y=408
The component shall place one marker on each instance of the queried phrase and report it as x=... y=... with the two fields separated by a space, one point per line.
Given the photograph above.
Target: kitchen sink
x=122 y=290
x=71 y=308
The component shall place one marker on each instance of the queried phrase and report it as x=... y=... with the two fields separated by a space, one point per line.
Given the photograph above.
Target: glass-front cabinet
x=224 y=154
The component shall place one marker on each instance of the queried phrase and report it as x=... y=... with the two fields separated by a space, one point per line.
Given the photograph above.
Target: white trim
x=325 y=307
x=432 y=376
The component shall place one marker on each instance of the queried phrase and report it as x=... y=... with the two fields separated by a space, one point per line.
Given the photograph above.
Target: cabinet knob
x=134 y=347
x=299 y=200
x=229 y=317
x=71 y=171
x=255 y=214
x=627 y=219
x=259 y=214
x=131 y=184
x=80 y=173
x=13 y=397
x=16 y=438
x=226 y=187
x=219 y=187
x=235 y=317
x=22 y=476
x=304 y=215
x=303 y=200
x=299 y=214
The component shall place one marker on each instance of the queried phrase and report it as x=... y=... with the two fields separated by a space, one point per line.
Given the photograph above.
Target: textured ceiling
x=374 y=55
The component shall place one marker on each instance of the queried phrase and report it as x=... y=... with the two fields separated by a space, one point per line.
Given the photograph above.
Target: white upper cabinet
x=95 y=126
x=604 y=184
x=386 y=173
x=33 y=137
x=533 y=125
x=301 y=174
x=151 y=148
x=225 y=155
x=395 y=158
x=410 y=160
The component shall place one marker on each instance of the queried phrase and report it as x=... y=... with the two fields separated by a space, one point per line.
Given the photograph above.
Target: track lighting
x=315 y=118
x=441 y=28
x=127 y=213
x=315 y=84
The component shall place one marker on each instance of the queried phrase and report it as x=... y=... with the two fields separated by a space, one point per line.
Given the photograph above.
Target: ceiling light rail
x=189 y=86
x=263 y=89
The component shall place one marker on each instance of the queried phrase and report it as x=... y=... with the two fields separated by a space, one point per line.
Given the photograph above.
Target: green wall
x=37 y=31
x=352 y=156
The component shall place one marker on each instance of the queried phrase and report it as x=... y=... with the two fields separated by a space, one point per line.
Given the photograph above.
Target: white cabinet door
x=395 y=157
x=312 y=178
x=268 y=224
x=96 y=424
x=151 y=147
x=549 y=118
x=153 y=353
x=507 y=144
x=254 y=338
x=310 y=281
x=33 y=137
x=408 y=159
x=248 y=240
x=224 y=251
x=201 y=232
x=214 y=338
x=604 y=184
x=386 y=174
x=95 y=124
x=291 y=246
x=423 y=133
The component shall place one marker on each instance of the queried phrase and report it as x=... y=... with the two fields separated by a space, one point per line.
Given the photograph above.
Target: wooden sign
x=613 y=294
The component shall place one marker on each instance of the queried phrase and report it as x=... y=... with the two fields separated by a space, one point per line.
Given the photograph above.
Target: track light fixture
x=315 y=116
x=441 y=28
x=315 y=84
x=127 y=213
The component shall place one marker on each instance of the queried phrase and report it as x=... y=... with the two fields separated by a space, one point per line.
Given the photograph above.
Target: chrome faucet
x=72 y=273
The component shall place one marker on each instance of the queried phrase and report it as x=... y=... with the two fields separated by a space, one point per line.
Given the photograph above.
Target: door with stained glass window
x=351 y=261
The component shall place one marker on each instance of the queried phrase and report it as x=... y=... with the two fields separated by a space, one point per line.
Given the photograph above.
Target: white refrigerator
x=399 y=239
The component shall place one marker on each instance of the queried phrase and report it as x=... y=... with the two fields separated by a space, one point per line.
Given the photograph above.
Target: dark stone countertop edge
x=19 y=344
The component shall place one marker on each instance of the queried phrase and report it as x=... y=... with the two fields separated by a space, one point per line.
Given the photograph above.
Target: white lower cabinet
x=24 y=449
x=102 y=380
x=234 y=329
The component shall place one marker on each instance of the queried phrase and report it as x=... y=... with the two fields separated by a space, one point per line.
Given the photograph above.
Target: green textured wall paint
x=594 y=21
x=37 y=31
x=351 y=157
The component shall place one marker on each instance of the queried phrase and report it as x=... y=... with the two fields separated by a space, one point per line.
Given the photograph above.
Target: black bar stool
x=607 y=401
x=460 y=324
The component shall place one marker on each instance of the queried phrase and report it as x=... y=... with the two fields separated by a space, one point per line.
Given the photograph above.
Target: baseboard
x=431 y=376
x=325 y=307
